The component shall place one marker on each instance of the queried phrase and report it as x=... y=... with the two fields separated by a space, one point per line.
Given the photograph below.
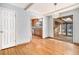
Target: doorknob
x=1 y=31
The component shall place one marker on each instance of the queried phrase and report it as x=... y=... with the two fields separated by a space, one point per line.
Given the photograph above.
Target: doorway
x=37 y=27
x=63 y=28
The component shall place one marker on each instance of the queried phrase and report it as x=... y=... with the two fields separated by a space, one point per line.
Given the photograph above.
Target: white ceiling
x=21 y=5
x=43 y=8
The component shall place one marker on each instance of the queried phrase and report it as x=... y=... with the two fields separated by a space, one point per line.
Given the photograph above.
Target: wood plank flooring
x=40 y=46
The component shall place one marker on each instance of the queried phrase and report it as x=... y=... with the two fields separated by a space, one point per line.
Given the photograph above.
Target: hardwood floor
x=64 y=38
x=40 y=46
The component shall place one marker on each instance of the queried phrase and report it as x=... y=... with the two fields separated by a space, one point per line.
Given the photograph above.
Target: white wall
x=48 y=26
x=76 y=26
x=45 y=27
x=66 y=13
x=23 y=27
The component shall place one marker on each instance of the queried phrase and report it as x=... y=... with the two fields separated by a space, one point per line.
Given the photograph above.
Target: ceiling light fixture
x=55 y=4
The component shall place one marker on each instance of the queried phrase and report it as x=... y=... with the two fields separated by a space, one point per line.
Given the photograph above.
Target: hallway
x=40 y=46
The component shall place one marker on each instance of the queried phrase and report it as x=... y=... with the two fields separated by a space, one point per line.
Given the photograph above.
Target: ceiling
x=43 y=8
x=21 y=5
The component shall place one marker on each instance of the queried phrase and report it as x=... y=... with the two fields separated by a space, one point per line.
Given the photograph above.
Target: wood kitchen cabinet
x=38 y=32
x=37 y=27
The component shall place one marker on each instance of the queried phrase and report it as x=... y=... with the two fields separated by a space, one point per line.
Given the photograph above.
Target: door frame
x=71 y=16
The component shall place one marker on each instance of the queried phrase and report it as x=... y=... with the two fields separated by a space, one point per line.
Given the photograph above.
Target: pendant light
x=55 y=4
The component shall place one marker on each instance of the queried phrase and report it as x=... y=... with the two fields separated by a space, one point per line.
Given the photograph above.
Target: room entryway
x=37 y=27
x=63 y=28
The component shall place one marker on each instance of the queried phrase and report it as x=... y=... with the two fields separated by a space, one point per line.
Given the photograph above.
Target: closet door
x=8 y=28
x=0 y=28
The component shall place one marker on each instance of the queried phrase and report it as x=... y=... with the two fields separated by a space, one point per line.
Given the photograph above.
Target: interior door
x=0 y=29
x=8 y=27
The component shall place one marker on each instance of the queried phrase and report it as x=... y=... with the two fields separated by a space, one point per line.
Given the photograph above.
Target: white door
x=0 y=29
x=8 y=27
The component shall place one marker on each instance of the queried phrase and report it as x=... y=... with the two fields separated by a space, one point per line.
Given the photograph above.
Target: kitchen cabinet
x=38 y=32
